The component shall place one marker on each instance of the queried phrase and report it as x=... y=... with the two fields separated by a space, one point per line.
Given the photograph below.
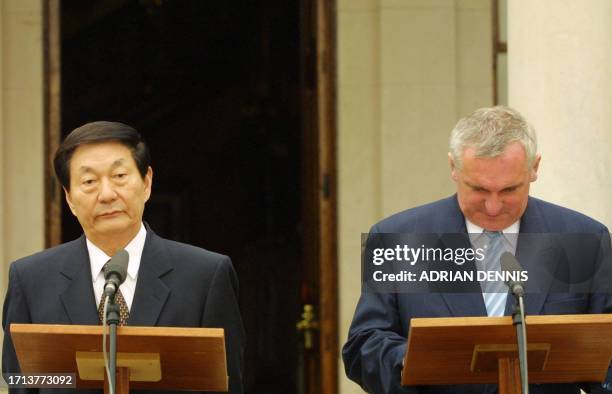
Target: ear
x=453 y=167
x=69 y=201
x=534 y=170
x=148 y=183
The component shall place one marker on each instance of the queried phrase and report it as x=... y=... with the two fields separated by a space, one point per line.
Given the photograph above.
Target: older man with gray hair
x=493 y=160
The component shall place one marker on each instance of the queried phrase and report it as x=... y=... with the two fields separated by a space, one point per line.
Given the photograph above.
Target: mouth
x=110 y=214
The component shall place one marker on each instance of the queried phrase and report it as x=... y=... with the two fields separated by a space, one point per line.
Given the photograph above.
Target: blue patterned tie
x=495 y=292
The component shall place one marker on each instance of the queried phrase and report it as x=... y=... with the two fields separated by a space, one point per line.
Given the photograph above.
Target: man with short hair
x=105 y=172
x=493 y=160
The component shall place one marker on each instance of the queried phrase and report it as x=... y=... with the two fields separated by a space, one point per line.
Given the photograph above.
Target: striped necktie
x=495 y=293
x=124 y=312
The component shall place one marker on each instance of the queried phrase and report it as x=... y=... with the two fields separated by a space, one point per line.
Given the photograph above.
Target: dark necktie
x=124 y=312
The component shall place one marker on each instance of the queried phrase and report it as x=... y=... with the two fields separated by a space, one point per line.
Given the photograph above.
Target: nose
x=493 y=205
x=107 y=191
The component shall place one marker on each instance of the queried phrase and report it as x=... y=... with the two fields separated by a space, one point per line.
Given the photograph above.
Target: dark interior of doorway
x=214 y=88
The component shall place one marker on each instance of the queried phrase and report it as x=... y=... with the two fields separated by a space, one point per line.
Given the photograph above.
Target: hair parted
x=489 y=131
x=98 y=132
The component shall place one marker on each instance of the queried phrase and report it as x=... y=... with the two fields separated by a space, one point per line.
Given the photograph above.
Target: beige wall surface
x=21 y=132
x=21 y=128
x=407 y=70
x=559 y=58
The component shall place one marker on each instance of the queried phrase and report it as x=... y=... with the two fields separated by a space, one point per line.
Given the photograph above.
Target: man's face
x=493 y=192
x=107 y=193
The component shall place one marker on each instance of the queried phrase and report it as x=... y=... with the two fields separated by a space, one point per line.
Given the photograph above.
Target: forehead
x=100 y=155
x=492 y=172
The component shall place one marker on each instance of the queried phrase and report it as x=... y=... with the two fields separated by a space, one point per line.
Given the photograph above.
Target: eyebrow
x=515 y=186
x=86 y=169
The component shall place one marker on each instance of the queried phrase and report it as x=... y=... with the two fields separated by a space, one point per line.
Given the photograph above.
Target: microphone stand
x=518 y=320
x=112 y=319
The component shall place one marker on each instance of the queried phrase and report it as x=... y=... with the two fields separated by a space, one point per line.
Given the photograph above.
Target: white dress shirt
x=97 y=259
x=479 y=240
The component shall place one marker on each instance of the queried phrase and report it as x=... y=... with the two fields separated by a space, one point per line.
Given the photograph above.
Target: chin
x=113 y=226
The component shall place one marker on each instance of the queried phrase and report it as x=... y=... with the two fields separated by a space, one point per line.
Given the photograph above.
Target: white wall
x=559 y=58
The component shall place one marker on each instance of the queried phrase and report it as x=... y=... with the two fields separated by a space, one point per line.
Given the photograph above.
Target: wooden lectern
x=471 y=350
x=160 y=358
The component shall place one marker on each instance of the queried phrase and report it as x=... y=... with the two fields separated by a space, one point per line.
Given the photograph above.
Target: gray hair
x=489 y=131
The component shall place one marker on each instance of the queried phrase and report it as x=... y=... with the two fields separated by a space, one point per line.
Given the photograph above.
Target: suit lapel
x=151 y=291
x=78 y=298
x=454 y=235
x=535 y=252
x=469 y=302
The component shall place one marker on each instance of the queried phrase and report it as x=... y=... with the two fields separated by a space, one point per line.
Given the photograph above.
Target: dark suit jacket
x=376 y=342
x=178 y=285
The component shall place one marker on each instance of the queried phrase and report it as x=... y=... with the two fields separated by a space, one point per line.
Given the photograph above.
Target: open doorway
x=225 y=94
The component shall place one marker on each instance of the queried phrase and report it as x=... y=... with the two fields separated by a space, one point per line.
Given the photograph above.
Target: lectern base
x=122 y=385
x=509 y=375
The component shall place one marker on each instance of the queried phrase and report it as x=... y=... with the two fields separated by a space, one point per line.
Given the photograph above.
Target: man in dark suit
x=493 y=160
x=104 y=168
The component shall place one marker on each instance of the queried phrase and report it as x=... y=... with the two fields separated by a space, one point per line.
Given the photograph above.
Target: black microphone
x=510 y=264
x=116 y=271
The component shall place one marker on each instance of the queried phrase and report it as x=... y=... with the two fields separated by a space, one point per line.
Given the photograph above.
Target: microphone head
x=510 y=263
x=118 y=265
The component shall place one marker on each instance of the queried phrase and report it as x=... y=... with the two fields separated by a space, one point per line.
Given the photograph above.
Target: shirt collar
x=510 y=232
x=97 y=258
